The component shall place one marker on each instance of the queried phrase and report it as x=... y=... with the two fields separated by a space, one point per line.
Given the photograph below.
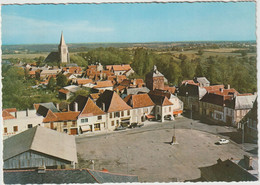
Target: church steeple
x=63 y=50
x=62 y=41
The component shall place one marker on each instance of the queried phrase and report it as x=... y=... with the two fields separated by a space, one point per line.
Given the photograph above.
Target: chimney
x=15 y=114
x=228 y=86
x=75 y=106
x=248 y=162
x=103 y=106
x=58 y=106
x=27 y=112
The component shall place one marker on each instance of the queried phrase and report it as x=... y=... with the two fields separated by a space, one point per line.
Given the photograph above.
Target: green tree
x=61 y=80
x=51 y=84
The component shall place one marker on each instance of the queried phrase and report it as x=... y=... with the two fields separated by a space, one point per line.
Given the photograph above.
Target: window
x=218 y=116
x=65 y=123
x=65 y=130
x=117 y=114
x=99 y=117
x=111 y=115
x=128 y=112
x=29 y=126
x=73 y=124
x=5 y=130
x=112 y=123
x=117 y=122
x=97 y=126
x=15 y=128
x=84 y=120
x=170 y=109
x=122 y=113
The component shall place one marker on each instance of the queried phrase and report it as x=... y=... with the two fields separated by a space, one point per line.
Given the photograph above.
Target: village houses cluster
x=117 y=101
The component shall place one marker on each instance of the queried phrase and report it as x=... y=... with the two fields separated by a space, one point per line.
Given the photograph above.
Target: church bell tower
x=63 y=51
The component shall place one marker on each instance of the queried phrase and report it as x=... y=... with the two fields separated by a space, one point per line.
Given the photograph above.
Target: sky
x=138 y=22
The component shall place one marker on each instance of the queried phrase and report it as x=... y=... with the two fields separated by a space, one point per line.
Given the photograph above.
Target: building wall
x=158 y=82
x=177 y=103
x=105 y=88
x=251 y=132
x=22 y=122
x=162 y=111
x=32 y=159
x=138 y=115
x=64 y=54
x=63 y=126
x=212 y=111
x=113 y=120
x=93 y=122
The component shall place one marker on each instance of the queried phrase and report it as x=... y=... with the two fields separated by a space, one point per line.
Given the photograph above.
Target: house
x=227 y=171
x=83 y=81
x=129 y=72
x=163 y=107
x=65 y=122
x=46 y=73
x=117 y=111
x=39 y=146
x=212 y=106
x=118 y=69
x=15 y=122
x=238 y=108
x=43 y=108
x=177 y=103
x=250 y=124
x=202 y=81
x=65 y=176
x=104 y=85
x=68 y=91
x=91 y=118
x=154 y=79
x=139 y=90
x=142 y=106
x=190 y=94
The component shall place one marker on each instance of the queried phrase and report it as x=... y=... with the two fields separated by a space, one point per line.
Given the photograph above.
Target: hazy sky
x=82 y=23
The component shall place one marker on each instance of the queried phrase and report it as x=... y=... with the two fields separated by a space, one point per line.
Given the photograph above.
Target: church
x=60 y=56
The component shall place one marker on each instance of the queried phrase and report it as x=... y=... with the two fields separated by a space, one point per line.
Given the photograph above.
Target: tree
x=61 y=80
x=51 y=84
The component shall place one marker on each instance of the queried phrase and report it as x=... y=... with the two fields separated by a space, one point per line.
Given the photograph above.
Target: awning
x=85 y=128
x=150 y=116
x=177 y=112
x=125 y=121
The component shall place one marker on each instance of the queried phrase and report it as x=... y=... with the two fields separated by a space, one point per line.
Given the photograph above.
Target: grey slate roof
x=45 y=107
x=201 y=80
x=227 y=171
x=137 y=90
x=64 y=176
x=244 y=102
x=53 y=57
x=42 y=140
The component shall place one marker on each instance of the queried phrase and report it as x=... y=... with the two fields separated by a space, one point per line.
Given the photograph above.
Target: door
x=73 y=131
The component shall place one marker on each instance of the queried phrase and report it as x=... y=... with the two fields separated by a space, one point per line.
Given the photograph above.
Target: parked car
x=223 y=141
x=133 y=125
x=120 y=128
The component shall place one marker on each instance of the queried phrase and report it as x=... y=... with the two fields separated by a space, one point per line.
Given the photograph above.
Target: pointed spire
x=62 y=41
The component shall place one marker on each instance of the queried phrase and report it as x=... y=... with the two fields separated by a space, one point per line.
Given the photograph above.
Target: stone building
x=154 y=79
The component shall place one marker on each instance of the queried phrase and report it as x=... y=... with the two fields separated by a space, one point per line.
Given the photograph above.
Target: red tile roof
x=139 y=100
x=31 y=72
x=166 y=102
x=91 y=109
x=65 y=91
x=214 y=87
x=6 y=115
x=60 y=116
x=94 y=95
x=11 y=110
x=189 y=82
x=112 y=101
x=84 y=81
x=170 y=89
x=102 y=84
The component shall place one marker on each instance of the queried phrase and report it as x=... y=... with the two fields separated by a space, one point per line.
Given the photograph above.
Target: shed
x=37 y=147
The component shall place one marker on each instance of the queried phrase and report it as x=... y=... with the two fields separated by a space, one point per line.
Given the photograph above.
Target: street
x=147 y=152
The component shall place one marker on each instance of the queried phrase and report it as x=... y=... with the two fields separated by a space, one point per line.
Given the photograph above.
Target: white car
x=223 y=141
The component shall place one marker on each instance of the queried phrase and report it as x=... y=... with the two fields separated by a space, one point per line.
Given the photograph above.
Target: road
x=146 y=151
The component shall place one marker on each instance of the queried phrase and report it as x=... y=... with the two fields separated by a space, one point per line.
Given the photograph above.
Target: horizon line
x=134 y=42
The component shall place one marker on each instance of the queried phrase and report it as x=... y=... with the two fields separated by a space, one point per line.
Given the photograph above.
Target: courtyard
x=147 y=152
